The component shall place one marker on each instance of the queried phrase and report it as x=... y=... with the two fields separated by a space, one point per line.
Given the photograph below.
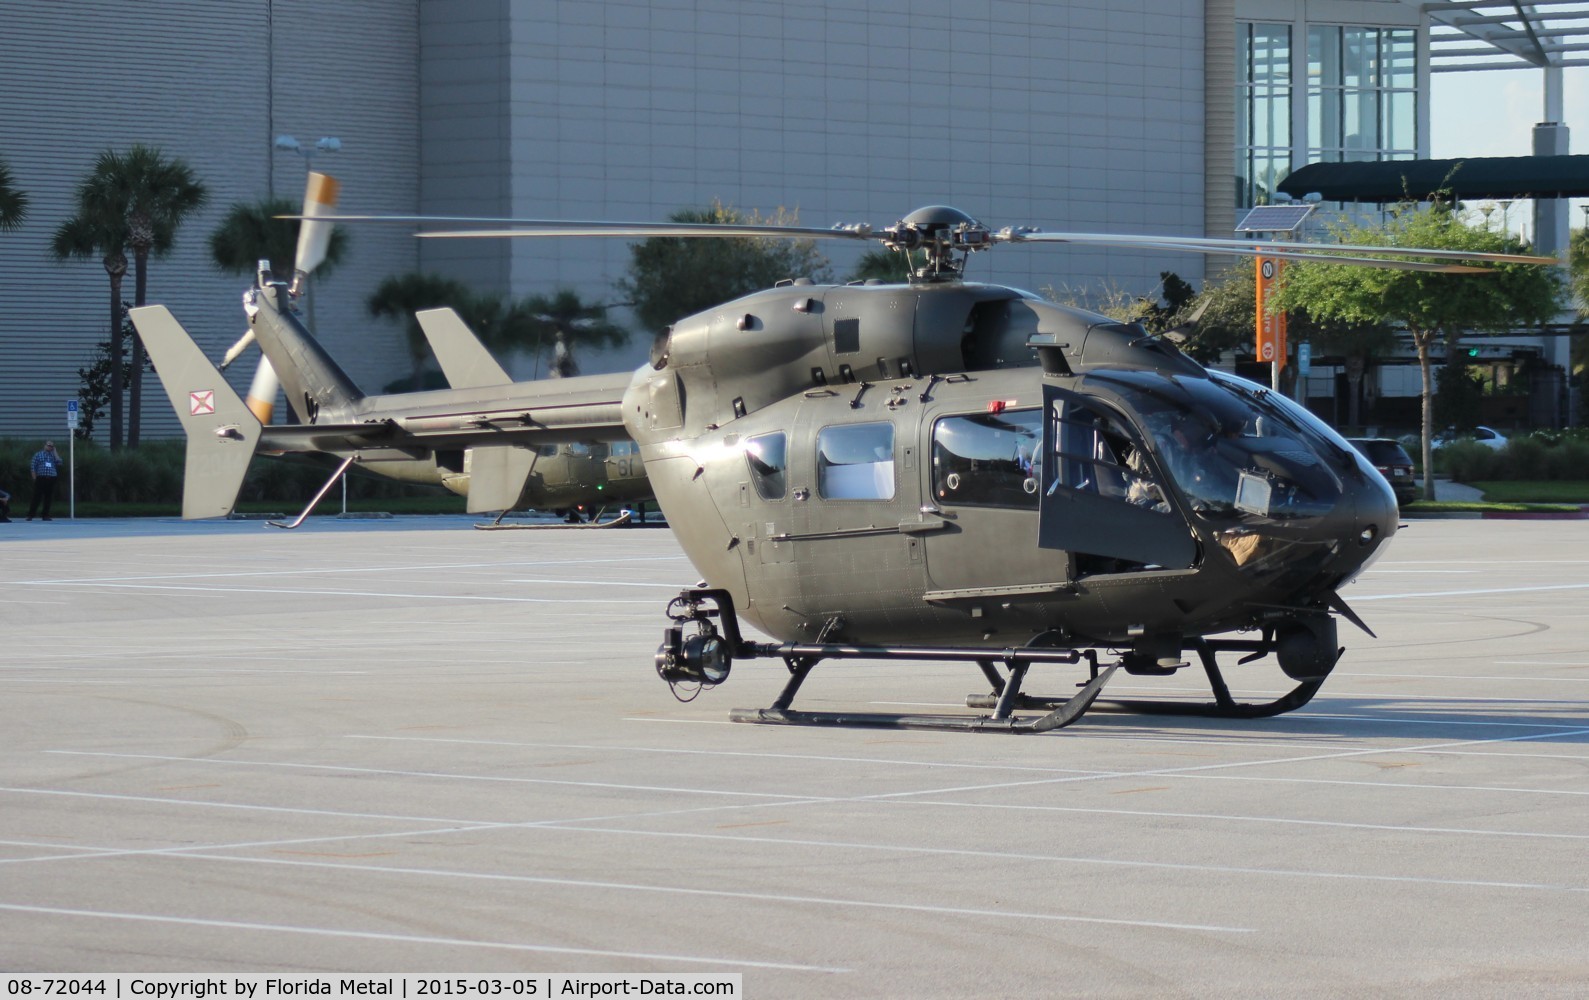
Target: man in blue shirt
x=46 y=468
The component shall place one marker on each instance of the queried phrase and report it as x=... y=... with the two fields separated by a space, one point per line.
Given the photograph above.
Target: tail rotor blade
x=314 y=236
x=261 y=399
x=233 y=352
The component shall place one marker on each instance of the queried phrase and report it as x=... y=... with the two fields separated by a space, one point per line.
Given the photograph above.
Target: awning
x=1468 y=179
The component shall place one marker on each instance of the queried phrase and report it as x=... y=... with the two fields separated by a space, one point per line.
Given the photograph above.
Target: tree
x=251 y=232
x=1225 y=310
x=94 y=393
x=1357 y=344
x=13 y=202
x=569 y=321
x=99 y=231
x=1578 y=268
x=1115 y=301
x=1177 y=299
x=887 y=265
x=154 y=195
x=1578 y=276
x=673 y=277
x=400 y=296
x=1429 y=305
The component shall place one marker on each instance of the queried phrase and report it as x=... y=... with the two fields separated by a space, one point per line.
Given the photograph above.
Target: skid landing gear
x=1223 y=706
x=694 y=652
x=698 y=651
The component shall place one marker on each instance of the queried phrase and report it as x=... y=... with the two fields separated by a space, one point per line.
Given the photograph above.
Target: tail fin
x=317 y=388
x=221 y=431
x=497 y=473
x=464 y=360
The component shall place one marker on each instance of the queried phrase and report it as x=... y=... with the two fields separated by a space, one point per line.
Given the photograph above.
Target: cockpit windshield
x=1236 y=450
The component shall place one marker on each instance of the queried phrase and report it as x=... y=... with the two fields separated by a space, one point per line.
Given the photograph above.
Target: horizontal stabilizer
x=221 y=431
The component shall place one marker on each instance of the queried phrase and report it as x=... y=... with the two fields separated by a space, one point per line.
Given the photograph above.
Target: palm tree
x=569 y=321
x=250 y=233
x=155 y=194
x=13 y=203
x=99 y=232
x=400 y=296
x=887 y=265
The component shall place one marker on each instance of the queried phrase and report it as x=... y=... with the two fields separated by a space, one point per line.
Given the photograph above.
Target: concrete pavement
x=409 y=746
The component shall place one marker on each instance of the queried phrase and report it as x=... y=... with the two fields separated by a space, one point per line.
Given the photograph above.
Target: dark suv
x=1390 y=458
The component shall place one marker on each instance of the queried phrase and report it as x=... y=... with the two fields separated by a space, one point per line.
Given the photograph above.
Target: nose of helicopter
x=1375 y=517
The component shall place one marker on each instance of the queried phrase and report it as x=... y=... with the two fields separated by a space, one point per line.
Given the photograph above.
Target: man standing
x=46 y=468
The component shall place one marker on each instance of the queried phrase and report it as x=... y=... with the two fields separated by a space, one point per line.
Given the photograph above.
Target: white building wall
x=196 y=79
x=1081 y=115
x=1064 y=114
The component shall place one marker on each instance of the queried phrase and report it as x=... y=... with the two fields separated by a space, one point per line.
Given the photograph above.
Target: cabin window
x=988 y=459
x=856 y=462
x=1096 y=455
x=767 y=456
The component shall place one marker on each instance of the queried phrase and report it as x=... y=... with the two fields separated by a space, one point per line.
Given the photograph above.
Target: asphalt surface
x=409 y=746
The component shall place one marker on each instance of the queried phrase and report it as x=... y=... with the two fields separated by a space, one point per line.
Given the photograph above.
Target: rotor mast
x=946 y=235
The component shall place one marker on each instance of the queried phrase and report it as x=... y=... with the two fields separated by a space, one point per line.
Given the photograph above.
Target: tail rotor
x=314 y=241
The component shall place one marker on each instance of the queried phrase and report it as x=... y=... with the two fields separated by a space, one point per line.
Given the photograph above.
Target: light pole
x=324 y=144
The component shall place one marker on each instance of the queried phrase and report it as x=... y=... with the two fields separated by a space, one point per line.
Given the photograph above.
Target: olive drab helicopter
x=933 y=470
x=570 y=477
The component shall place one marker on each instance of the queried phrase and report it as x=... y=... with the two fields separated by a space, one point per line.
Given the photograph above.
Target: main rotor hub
x=944 y=234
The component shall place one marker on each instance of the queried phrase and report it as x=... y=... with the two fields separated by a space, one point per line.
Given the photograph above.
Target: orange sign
x=1271 y=326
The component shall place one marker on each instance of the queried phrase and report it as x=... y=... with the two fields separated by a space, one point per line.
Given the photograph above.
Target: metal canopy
x=1505 y=34
x=1497 y=177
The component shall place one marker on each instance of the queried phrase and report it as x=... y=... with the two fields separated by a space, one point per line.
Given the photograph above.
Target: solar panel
x=1274 y=219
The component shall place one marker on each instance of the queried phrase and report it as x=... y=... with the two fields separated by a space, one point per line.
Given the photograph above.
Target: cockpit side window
x=1096 y=455
x=767 y=455
x=1237 y=451
x=856 y=462
x=988 y=459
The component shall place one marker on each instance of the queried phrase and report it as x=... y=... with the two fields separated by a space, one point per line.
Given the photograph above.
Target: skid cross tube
x=1224 y=706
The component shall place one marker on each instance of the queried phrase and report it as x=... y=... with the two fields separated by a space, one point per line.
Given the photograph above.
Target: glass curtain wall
x=1263 y=111
x=1362 y=93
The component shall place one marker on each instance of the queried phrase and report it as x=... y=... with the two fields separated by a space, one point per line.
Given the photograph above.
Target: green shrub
x=1523 y=458
x=1569 y=459
x=152 y=473
x=1466 y=461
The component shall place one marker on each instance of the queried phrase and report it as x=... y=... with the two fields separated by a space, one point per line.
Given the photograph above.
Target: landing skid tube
x=1224 y=706
x=497 y=525
x=1060 y=715
x=704 y=656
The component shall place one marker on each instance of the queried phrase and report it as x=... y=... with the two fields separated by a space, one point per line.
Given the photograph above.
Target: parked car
x=1487 y=436
x=1391 y=459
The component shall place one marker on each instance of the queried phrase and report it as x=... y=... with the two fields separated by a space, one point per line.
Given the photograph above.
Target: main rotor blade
x=1268 y=248
x=634 y=230
x=570 y=227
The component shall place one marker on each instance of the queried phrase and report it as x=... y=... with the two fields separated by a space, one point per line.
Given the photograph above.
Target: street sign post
x=71 y=458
